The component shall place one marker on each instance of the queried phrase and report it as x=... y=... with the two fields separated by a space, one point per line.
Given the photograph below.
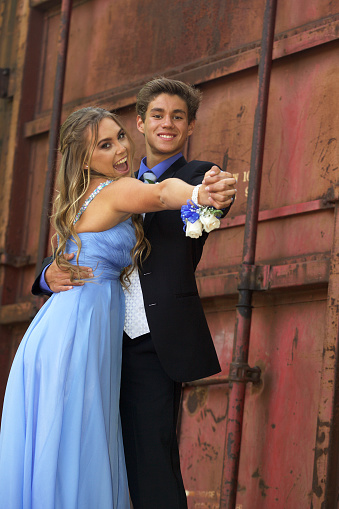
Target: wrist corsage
x=197 y=218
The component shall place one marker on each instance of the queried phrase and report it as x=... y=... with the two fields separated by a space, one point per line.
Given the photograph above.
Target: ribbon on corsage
x=198 y=218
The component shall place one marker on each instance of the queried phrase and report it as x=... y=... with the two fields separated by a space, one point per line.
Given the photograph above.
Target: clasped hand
x=220 y=185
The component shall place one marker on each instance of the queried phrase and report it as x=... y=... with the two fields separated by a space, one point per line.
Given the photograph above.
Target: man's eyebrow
x=161 y=110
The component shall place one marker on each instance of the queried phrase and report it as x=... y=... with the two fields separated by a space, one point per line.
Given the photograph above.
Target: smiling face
x=165 y=127
x=112 y=151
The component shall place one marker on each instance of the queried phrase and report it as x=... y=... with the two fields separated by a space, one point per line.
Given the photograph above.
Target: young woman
x=60 y=441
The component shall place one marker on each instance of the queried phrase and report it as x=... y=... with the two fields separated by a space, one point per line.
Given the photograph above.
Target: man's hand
x=220 y=185
x=60 y=280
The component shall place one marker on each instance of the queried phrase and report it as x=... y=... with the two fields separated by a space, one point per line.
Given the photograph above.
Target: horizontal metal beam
x=280 y=212
x=266 y=277
x=247 y=374
x=219 y=284
x=216 y=380
x=17 y=313
x=327 y=202
x=207 y=69
x=44 y=5
x=16 y=261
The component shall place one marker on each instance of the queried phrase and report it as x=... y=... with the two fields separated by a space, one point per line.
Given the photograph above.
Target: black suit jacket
x=174 y=312
x=173 y=308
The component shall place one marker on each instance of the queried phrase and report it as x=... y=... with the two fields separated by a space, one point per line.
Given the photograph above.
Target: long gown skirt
x=60 y=441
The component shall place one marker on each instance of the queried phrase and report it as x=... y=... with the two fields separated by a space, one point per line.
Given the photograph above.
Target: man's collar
x=160 y=168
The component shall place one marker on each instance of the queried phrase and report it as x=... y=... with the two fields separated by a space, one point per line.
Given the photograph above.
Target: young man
x=166 y=339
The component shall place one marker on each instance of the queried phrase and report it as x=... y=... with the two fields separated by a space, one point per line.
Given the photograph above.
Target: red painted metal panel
x=300 y=160
x=278 y=441
x=288 y=455
x=108 y=56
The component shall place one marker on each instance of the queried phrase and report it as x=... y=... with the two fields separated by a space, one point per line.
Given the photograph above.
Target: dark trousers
x=149 y=404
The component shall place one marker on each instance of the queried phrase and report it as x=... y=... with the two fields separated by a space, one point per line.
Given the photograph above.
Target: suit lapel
x=169 y=173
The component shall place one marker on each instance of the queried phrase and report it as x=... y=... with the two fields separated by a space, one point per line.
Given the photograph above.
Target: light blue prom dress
x=60 y=442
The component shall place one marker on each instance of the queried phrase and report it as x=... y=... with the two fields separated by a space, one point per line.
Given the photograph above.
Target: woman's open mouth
x=121 y=166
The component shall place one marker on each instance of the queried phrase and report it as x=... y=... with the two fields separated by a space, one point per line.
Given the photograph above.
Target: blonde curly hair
x=73 y=181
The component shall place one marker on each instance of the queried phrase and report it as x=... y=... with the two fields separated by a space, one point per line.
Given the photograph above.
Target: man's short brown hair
x=157 y=86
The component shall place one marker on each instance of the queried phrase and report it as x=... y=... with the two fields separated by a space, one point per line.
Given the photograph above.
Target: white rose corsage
x=197 y=218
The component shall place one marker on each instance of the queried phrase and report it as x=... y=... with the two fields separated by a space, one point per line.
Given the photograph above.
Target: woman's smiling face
x=112 y=151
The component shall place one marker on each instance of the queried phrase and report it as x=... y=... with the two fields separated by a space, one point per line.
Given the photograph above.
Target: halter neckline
x=90 y=198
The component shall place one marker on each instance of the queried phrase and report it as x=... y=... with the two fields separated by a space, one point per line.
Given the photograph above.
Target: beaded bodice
x=89 y=199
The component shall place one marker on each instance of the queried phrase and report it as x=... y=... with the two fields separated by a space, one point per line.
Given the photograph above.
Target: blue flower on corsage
x=197 y=218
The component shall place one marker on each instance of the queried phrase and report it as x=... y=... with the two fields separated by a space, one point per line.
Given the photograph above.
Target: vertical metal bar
x=65 y=19
x=325 y=481
x=244 y=307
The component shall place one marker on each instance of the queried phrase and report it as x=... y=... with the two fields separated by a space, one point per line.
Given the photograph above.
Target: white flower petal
x=194 y=230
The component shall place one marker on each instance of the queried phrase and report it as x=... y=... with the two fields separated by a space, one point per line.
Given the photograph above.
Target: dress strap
x=89 y=199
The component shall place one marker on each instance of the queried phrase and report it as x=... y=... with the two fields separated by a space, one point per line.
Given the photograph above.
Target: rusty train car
x=284 y=446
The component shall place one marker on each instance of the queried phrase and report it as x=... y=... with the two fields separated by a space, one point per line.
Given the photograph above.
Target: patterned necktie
x=149 y=178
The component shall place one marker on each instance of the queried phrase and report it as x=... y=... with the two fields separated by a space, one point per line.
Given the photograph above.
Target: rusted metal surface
x=228 y=62
x=20 y=49
x=65 y=20
x=325 y=467
x=278 y=432
x=309 y=237
x=16 y=313
x=4 y=80
x=289 y=452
